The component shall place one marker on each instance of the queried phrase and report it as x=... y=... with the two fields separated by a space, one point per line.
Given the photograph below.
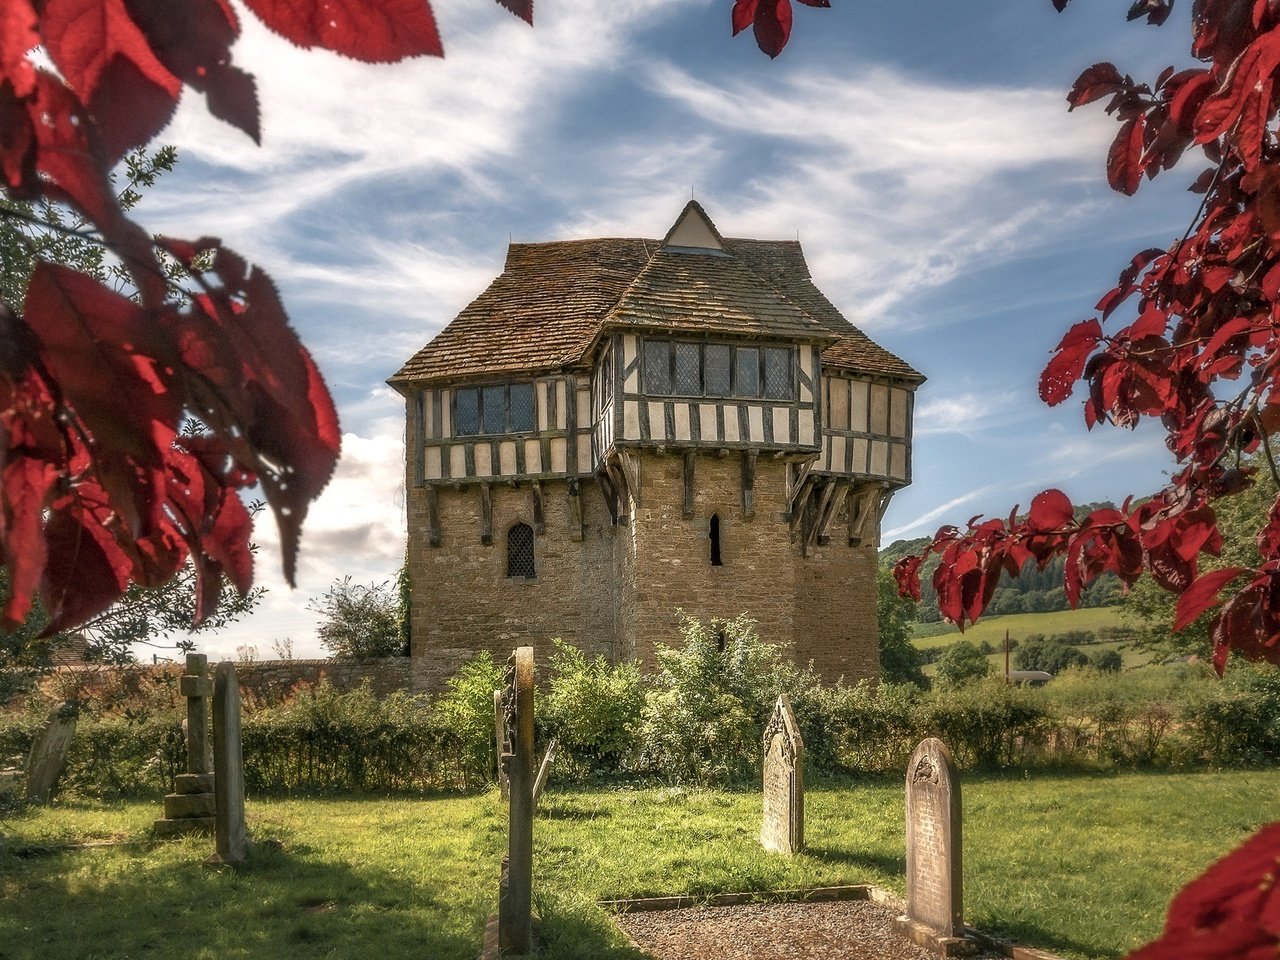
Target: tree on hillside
x=962 y=663
x=900 y=661
x=359 y=621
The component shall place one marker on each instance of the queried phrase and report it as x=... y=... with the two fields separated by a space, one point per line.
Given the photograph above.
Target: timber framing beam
x=749 y=483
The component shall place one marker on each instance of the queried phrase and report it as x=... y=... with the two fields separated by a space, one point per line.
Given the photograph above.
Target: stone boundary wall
x=268 y=679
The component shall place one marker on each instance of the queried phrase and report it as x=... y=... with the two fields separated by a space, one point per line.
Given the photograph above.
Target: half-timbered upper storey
x=582 y=349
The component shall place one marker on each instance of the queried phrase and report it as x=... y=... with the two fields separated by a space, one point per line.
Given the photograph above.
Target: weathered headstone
x=500 y=738
x=934 y=840
x=232 y=846
x=544 y=770
x=49 y=753
x=515 y=898
x=192 y=805
x=783 y=826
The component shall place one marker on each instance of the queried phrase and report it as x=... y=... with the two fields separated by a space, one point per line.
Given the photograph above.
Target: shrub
x=1052 y=656
x=962 y=663
x=592 y=709
x=1107 y=661
x=466 y=711
x=707 y=704
x=987 y=723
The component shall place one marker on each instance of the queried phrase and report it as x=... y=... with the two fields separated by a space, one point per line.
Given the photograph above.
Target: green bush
x=592 y=709
x=709 y=700
x=962 y=663
x=465 y=710
x=987 y=723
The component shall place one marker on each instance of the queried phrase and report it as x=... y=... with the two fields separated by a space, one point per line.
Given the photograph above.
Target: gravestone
x=783 y=826
x=544 y=770
x=934 y=840
x=192 y=806
x=232 y=846
x=515 y=897
x=49 y=753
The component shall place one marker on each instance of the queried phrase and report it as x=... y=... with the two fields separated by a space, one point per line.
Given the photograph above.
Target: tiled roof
x=552 y=300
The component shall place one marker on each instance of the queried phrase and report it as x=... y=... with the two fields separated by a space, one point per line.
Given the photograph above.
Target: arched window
x=715 y=541
x=520 y=552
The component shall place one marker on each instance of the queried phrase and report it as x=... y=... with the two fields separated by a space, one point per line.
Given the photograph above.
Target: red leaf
x=772 y=25
x=1124 y=162
x=1094 y=83
x=816 y=3
x=521 y=8
x=1223 y=109
x=1062 y=372
x=25 y=483
x=1050 y=510
x=743 y=15
x=375 y=31
x=18 y=37
x=87 y=571
x=1203 y=594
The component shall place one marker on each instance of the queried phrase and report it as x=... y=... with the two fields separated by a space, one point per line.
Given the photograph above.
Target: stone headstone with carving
x=192 y=805
x=49 y=753
x=934 y=840
x=783 y=826
x=515 y=896
x=232 y=845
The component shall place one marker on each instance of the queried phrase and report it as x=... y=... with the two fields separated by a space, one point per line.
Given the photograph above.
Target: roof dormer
x=693 y=232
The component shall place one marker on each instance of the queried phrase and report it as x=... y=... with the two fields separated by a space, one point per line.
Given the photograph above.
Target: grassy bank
x=1080 y=865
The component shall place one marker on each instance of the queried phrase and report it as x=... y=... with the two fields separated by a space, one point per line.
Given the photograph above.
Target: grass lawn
x=1019 y=625
x=1081 y=865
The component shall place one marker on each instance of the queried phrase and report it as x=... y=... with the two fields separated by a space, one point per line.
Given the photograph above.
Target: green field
x=1019 y=625
x=1080 y=865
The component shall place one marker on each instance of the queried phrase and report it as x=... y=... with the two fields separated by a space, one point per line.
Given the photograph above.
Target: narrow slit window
x=520 y=552
x=715 y=541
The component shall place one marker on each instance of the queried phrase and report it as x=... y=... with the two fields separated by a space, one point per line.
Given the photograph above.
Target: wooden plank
x=749 y=483
x=690 y=459
x=619 y=481
x=539 y=521
x=820 y=513
x=571 y=422
x=801 y=501
x=610 y=495
x=801 y=478
x=486 y=514
x=433 y=516
x=832 y=510
x=632 y=471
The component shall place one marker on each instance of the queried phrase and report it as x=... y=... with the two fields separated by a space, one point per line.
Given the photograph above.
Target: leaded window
x=657 y=366
x=520 y=552
x=502 y=408
x=777 y=373
x=716 y=369
x=687 y=369
x=746 y=372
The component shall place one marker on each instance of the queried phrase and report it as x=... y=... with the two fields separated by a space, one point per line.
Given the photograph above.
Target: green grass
x=1019 y=625
x=1083 y=866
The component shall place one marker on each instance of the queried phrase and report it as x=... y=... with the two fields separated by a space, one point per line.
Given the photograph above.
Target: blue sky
x=921 y=150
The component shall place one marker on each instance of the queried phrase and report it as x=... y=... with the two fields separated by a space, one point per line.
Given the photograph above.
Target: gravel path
x=844 y=930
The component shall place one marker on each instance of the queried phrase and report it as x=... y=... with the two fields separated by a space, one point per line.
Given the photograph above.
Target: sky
x=921 y=150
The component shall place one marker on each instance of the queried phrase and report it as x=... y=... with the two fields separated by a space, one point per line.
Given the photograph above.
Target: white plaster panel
x=731 y=432
x=630 y=345
x=707 y=422
x=432 y=467
x=782 y=425
x=755 y=424
x=657 y=422
x=457 y=460
x=838 y=450
x=559 y=455
x=806 y=428
x=682 y=421
x=898 y=461
x=879 y=458
x=446 y=413
x=532 y=456
x=631 y=420
x=858 y=405
x=584 y=453
x=838 y=405
x=879 y=409
x=543 y=413
x=898 y=424
x=859 y=455
x=562 y=417
x=484 y=460
x=507 y=458
x=584 y=404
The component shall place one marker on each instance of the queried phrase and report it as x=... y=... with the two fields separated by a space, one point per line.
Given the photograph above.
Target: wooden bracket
x=748 y=483
x=575 y=511
x=631 y=470
x=818 y=524
x=539 y=522
x=831 y=510
x=690 y=459
x=610 y=495
x=433 y=516
x=486 y=514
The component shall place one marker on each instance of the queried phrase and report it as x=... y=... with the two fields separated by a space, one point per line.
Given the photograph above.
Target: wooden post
x=748 y=483
x=690 y=459
x=515 y=901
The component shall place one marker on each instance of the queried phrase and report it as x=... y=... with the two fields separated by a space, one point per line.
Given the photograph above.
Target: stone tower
x=620 y=429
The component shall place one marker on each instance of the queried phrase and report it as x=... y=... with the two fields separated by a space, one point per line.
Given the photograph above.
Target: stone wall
x=619 y=590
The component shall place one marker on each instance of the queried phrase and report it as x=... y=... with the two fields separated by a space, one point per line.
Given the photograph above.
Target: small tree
x=359 y=622
x=900 y=661
x=1051 y=656
x=961 y=664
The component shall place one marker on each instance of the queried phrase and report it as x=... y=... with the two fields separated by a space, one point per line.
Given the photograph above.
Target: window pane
x=521 y=407
x=688 y=370
x=493 y=408
x=466 y=412
x=777 y=373
x=657 y=366
x=747 y=372
x=715 y=369
x=520 y=552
